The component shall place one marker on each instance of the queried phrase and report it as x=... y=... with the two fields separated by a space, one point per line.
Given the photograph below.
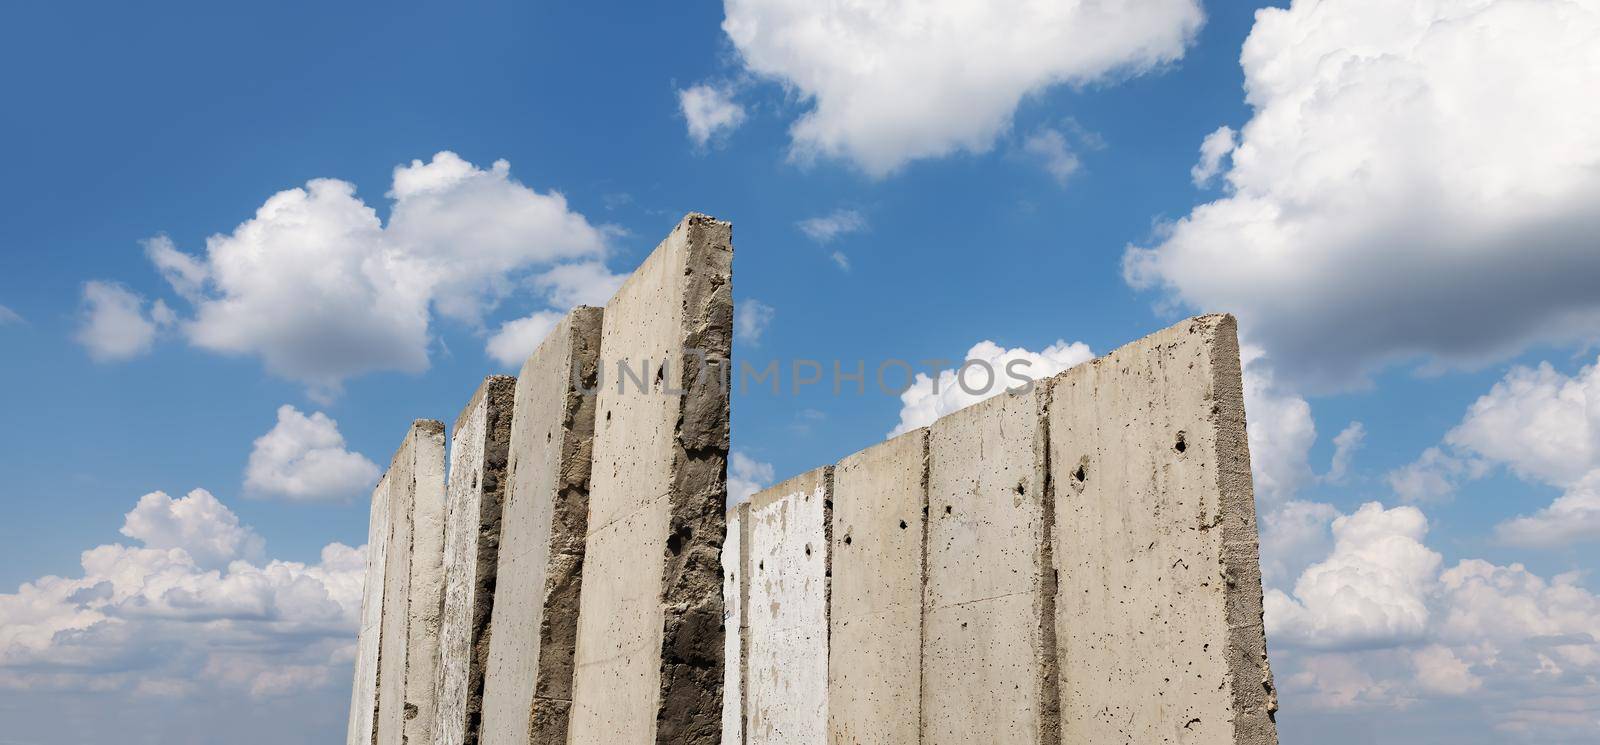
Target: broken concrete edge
x=497 y=385
x=1050 y=659
x=497 y=396
x=692 y=607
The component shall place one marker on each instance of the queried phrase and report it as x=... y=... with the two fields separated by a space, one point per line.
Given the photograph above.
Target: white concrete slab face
x=413 y=582
x=649 y=662
x=364 y=694
x=786 y=662
x=988 y=663
x=875 y=649
x=475 y=491
x=1159 y=597
x=528 y=685
x=425 y=613
x=735 y=591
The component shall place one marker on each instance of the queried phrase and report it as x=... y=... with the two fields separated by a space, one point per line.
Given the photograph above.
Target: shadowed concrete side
x=528 y=683
x=786 y=629
x=1159 y=599
x=476 y=485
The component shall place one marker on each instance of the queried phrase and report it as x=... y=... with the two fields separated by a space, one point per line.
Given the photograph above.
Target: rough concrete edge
x=926 y=435
x=584 y=325
x=689 y=709
x=797 y=484
x=1049 y=573
x=432 y=429
x=746 y=535
x=1254 y=695
x=497 y=394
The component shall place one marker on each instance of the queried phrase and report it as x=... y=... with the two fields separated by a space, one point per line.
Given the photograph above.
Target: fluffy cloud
x=322 y=290
x=1216 y=146
x=929 y=398
x=709 y=111
x=116 y=324
x=1417 y=181
x=303 y=458
x=750 y=319
x=1434 y=476
x=518 y=338
x=893 y=82
x=746 y=476
x=188 y=612
x=834 y=225
x=1281 y=429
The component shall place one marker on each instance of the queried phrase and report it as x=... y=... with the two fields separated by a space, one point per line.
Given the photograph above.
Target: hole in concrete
x=761 y=565
x=608 y=416
x=1081 y=475
x=808 y=549
x=1180 y=445
x=947 y=509
x=847 y=540
x=1022 y=488
x=676 y=541
x=903 y=525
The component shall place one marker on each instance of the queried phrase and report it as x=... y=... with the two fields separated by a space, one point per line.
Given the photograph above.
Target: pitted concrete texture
x=735 y=590
x=786 y=665
x=528 y=686
x=364 y=694
x=649 y=663
x=475 y=490
x=412 y=583
x=1159 y=599
x=988 y=662
x=875 y=647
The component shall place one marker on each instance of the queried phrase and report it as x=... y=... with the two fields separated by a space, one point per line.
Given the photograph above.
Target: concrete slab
x=364 y=694
x=875 y=647
x=735 y=592
x=786 y=630
x=413 y=583
x=479 y=447
x=988 y=662
x=1158 y=609
x=649 y=665
x=528 y=682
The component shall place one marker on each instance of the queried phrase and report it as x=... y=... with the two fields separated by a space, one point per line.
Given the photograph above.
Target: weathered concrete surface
x=649 y=664
x=875 y=649
x=1159 y=599
x=528 y=687
x=988 y=662
x=412 y=584
x=364 y=694
x=478 y=451
x=735 y=594
x=786 y=660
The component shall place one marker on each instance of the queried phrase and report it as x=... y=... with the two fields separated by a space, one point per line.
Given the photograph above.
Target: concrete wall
x=988 y=656
x=786 y=612
x=412 y=581
x=364 y=694
x=527 y=690
x=1159 y=601
x=875 y=649
x=735 y=594
x=478 y=450
x=650 y=641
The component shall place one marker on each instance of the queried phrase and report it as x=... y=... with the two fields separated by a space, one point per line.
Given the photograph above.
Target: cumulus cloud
x=1345 y=445
x=586 y=283
x=116 y=322
x=1281 y=430
x=1434 y=476
x=834 y=225
x=303 y=458
x=1416 y=182
x=518 y=338
x=750 y=319
x=710 y=111
x=190 y=610
x=1216 y=146
x=987 y=371
x=322 y=290
x=888 y=83
x=746 y=476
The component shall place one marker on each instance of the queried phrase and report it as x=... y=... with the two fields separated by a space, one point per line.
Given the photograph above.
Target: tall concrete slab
x=364 y=694
x=649 y=662
x=528 y=684
x=988 y=662
x=479 y=446
x=735 y=623
x=1158 y=608
x=786 y=627
x=875 y=647
x=412 y=584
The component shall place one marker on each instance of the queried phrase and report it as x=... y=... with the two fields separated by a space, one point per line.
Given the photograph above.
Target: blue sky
x=1401 y=214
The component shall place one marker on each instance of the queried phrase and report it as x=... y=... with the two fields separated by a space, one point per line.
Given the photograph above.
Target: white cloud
x=1345 y=445
x=196 y=523
x=518 y=338
x=746 y=476
x=1293 y=535
x=1281 y=430
x=303 y=458
x=710 y=111
x=9 y=316
x=1050 y=147
x=892 y=82
x=1216 y=146
x=834 y=225
x=1417 y=182
x=987 y=371
x=1572 y=517
x=322 y=291
x=586 y=283
x=1434 y=476
x=115 y=323
x=750 y=319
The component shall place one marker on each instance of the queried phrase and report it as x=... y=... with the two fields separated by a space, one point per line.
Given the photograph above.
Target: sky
x=242 y=248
